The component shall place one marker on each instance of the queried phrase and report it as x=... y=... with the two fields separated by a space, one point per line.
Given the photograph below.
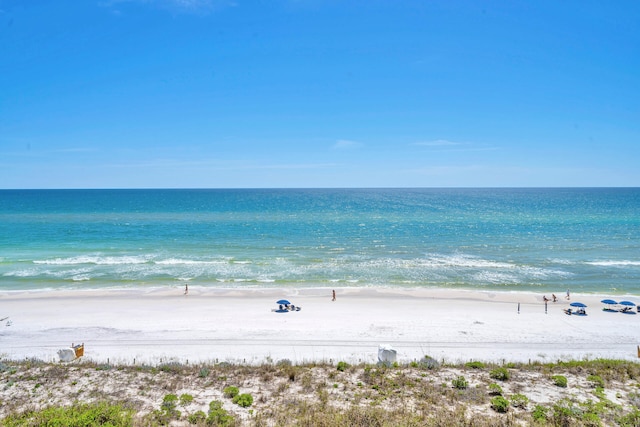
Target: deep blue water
x=547 y=240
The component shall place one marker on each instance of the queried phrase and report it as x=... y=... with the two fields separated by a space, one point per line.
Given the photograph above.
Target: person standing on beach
x=568 y=297
x=334 y=295
x=186 y=288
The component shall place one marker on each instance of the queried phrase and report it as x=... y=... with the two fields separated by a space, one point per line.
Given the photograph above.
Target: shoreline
x=412 y=291
x=238 y=325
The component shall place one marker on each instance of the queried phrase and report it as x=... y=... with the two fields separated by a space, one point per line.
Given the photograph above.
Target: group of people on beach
x=555 y=298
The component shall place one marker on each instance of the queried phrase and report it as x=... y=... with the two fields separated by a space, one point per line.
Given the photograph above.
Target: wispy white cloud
x=74 y=150
x=215 y=164
x=448 y=170
x=446 y=145
x=33 y=150
x=438 y=143
x=344 y=144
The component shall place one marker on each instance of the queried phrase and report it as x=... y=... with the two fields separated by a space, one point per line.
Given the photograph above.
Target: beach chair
x=78 y=349
x=568 y=311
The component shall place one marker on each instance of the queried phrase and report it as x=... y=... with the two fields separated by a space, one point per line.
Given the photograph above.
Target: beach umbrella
x=608 y=301
x=578 y=304
x=629 y=303
x=283 y=302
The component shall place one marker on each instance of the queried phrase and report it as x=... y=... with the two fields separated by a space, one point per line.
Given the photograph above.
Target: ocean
x=542 y=240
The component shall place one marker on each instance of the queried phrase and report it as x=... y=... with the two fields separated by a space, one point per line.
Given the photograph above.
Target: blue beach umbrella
x=578 y=304
x=608 y=301
x=629 y=303
x=283 y=302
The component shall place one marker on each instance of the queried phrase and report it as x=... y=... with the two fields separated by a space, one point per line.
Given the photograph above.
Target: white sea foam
x=614 y=263
x=96 y=259
x=29 y=272
x=177 y=261
x=561 y=261
x=464 y=261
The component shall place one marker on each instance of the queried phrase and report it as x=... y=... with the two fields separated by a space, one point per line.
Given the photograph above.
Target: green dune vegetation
x=425 y=392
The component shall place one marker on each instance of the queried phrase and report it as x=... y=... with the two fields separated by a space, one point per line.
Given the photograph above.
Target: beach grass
x=596 y=392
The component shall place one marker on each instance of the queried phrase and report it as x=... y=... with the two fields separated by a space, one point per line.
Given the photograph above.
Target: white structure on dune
x=72 y=353
x=386 y=354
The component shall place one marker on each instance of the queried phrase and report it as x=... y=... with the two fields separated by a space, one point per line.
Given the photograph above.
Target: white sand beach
x=209 y=325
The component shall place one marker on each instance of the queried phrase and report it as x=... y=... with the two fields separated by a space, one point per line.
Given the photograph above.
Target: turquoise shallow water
x=547 y=240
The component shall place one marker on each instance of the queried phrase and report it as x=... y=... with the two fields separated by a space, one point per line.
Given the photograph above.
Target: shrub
x=245 y=400
x=217 y=415
x=563 y=413
x=501 y=374
x=631 y=419
x=290 y=371
x=519 y=401
x=75 y=415
x=430 y=363
x=495 y=389
x=204 y=372
x=168 y=409
x=460 y=383
x=539 y=413
x=185 y=399
x=284 y=362
x=634 y=399
x=559 y=380
x=474 y=365
x=591 y=419
x=599 y=393
x=197 y=417
x=172 y=368
x=500 y=404
x=596 y=380
x=231 y=391
x=169 y=402
x=342 y=366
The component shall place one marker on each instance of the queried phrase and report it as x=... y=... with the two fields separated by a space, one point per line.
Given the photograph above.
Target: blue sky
x=311 y=93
